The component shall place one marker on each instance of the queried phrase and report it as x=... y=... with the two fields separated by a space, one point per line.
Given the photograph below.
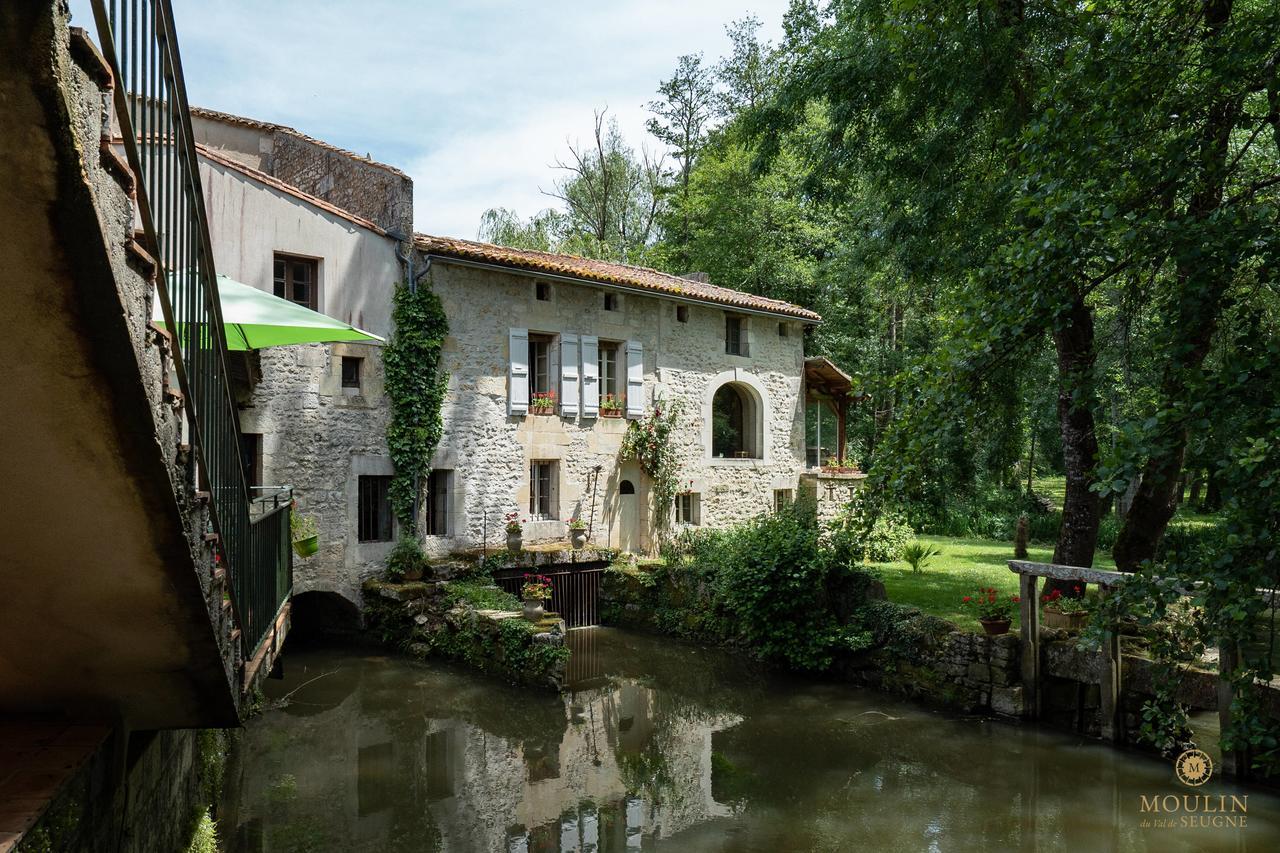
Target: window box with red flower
x=612 y=405
x=542 y=403
x=1067 y=612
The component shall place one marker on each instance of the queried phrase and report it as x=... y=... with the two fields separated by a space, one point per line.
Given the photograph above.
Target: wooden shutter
x=518 y=373
x=635 y=379
x=568 y=375
x=590 y=376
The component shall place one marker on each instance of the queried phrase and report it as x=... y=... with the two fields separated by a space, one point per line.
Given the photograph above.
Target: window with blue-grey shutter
x=569 y=375
x=518 y=373
x=590 y=376
x=635 y=379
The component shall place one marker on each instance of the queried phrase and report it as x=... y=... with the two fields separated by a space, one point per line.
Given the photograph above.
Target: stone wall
x=423 y=619
x=320 y=440
x=170 y=779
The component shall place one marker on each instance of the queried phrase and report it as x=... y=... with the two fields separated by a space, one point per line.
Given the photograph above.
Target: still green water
x=662 y=746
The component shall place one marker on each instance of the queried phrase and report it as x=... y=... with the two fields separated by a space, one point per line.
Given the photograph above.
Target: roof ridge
x=608 y=272
x=218 y=115
x=271 y=181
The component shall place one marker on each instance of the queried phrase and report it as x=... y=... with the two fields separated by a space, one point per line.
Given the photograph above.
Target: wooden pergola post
x=842 y=412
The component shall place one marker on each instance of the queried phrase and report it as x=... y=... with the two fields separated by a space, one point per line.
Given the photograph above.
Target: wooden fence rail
x=1110 y=685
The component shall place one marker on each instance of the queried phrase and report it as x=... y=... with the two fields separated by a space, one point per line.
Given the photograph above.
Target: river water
x=663 y=746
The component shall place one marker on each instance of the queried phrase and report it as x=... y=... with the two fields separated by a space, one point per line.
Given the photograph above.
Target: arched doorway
x=628 y=517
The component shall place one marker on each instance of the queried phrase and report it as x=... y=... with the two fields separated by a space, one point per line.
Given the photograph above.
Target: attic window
x=783 y=332
x=682 y=313
x=611 y=302
x=542 y=291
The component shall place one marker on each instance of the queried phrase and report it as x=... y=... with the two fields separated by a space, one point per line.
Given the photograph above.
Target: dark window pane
x=373 y=510
x=302 y=272
x=728 y=423
x=351 y=372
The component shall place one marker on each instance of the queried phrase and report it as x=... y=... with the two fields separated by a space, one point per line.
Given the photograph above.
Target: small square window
x=682 y=313
x=689 y=508
x=351 y=371
x=782 y=498
x=783 y=331
x=296 y=279
x=374 y=510
x=611 y=302
x=542 y=291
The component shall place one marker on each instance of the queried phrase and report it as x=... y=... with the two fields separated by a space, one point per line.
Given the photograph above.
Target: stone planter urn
x=578 y=538
x=515 y=541
x=995 y=627
x=1073 y=622
x=533 y=609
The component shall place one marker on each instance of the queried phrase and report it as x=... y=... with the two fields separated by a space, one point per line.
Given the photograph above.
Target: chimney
x=700 y=277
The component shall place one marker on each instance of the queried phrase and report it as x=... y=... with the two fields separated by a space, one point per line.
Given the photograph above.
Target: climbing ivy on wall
x=648 y=441
x=415 y=385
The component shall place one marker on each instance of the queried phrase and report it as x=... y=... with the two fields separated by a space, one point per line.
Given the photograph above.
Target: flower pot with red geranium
x=612 y=405
x=535 y=590
x=1067 y=612
x=515 y=532
x=993 y=610
x=542 y=403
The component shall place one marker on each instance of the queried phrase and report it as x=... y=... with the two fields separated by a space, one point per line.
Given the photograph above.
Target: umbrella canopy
x=255 y=319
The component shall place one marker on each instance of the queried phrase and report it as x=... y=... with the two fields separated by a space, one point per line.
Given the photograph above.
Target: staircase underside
x=104 y=612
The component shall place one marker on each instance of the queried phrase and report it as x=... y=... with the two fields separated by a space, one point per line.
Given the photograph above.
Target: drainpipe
x=595 y=482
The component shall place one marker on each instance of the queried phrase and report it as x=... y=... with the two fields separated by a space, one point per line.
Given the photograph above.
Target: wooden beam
x=1030 y=618
x=1067 y=573
x=1110 y=710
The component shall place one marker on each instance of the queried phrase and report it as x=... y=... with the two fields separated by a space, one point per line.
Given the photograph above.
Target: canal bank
x=667 y=746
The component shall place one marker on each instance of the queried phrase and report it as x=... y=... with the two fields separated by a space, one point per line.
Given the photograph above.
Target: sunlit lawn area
x=963 y=565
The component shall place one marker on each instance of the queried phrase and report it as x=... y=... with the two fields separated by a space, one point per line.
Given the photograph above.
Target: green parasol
x=255 y=319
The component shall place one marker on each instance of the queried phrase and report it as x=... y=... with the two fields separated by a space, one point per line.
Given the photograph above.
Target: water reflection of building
x=395 y=770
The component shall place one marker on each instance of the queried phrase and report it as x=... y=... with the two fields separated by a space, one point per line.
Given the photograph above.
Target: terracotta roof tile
x=275 y=183
x=588 y=269
x=254 y=123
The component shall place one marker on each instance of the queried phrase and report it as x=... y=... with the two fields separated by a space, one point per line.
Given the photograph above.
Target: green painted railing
x=138 y=41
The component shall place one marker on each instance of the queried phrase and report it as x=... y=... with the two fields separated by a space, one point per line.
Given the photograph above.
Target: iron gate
x=575 y=591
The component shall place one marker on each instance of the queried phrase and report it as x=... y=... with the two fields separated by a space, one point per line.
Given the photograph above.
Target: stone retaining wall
x=421 y=619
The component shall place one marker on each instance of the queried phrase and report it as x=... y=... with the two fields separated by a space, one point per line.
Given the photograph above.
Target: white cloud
x=474 y=100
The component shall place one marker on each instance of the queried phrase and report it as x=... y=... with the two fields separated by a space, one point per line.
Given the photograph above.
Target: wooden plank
x=1232 y=764
x=1110 y=711
x=1067 y=573
x=1030 y=617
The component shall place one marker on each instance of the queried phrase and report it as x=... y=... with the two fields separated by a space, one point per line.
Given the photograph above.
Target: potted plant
x=612 y=405
x=406 y=560
x=992 y=610
x=577 y=533
x=305 y=535
x=1063 y=611
x=535 y=590
x=839 y=465
x=515 y=532
x=542 y=403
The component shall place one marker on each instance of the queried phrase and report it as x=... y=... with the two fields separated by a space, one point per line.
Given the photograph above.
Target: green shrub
x=405 y=558
x=867 y=532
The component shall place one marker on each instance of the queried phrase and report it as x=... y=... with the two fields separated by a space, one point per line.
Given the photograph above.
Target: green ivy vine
x=416 y=387
x=648 y=441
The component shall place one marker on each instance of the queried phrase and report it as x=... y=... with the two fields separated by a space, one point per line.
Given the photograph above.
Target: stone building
x=549 y=358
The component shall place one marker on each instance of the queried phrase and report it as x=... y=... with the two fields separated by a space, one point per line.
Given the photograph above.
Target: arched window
x=735 y=427
x=626 y=488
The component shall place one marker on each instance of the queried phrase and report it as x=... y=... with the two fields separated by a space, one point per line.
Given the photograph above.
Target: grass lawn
x=963 y=565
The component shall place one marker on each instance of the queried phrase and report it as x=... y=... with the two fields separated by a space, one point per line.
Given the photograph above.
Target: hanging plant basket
x=306 y=547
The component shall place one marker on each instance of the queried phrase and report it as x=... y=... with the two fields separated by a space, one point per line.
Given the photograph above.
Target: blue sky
x=474 y=100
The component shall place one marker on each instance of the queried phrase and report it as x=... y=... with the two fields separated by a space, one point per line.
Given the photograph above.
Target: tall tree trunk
x=1074 y=340
x=1202 y=284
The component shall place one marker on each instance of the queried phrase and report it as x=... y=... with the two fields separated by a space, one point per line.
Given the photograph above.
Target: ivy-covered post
x=416 y=388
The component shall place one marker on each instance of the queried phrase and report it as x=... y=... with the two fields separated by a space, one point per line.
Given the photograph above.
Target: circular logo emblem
x=1193 y=767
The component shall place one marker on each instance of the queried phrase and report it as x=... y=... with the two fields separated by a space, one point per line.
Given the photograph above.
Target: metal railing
x=138 y=41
